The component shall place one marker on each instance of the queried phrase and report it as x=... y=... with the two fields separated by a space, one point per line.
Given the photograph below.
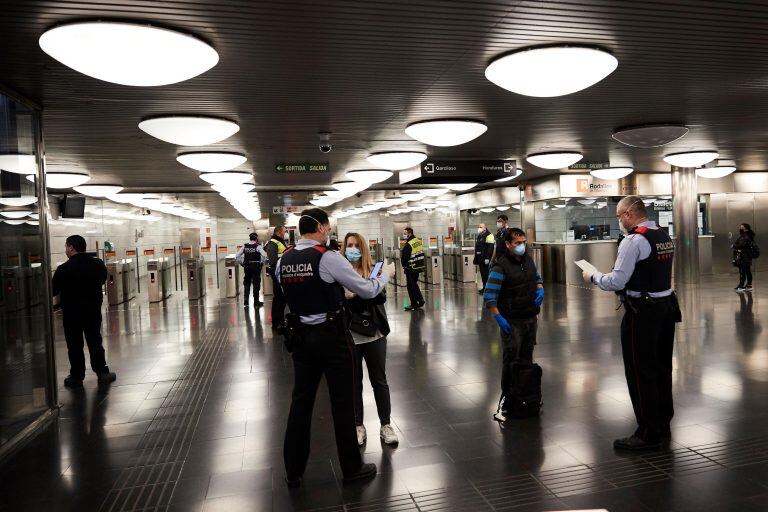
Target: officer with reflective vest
x=313 y=278
x=484 y=245
x=643 y=276
x=412 y=258
x=251 y=257
x=275 y=248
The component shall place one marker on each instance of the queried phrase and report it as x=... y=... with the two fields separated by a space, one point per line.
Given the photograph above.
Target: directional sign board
x=288 y=209
x=301 y=167
x=458 y=171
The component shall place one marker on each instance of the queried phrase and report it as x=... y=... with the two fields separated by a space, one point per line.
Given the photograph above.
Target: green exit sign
x=301 y=167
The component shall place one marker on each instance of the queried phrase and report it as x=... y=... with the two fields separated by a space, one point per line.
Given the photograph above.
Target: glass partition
x=470 y=219
x=25 y=329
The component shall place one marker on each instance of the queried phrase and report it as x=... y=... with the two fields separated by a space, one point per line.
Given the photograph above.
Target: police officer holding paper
x=313 y=279
x=412 y=259
x=643 y=276
x=251 y=256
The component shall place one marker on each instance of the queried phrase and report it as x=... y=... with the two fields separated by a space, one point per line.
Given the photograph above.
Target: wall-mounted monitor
x=73 y=207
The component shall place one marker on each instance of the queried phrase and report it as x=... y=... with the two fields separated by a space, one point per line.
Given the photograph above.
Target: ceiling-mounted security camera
x=325 y=142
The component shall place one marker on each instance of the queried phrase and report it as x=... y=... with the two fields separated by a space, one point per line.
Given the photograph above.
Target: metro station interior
x=165 y=133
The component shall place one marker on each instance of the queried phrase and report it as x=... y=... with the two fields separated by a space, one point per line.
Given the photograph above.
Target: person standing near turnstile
x=275 y=248
x=251 y=257
x=412 y=259
x=484 y=252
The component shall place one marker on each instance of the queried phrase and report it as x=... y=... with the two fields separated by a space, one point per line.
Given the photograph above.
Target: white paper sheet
x=586 y=266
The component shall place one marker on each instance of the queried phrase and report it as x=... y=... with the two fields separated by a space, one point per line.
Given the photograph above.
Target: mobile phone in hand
x=376 y=269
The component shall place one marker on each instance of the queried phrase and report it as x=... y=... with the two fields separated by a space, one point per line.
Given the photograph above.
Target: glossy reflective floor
x=195 y=420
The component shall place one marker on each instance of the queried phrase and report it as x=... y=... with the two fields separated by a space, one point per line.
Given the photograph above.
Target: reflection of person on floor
x=412 y=259
x=643 y=274
x=747 y=329
x=78 y=281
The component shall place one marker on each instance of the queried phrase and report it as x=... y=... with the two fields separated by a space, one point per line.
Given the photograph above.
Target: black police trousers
x=278 y=303
x=412 y=284
x=647 y=339
x=251 y=276
x=322 y=350
x=76 y=323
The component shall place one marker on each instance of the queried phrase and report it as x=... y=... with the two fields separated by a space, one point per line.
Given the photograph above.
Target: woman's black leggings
x=375 y=355
x=745 y=274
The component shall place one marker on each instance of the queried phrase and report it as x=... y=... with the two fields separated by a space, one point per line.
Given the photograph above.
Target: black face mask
x=742 y=231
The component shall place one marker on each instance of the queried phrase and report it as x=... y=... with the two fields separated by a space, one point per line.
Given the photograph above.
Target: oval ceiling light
x=434 y=192
x=503 y=208
x=611 y=173
x=233 y=189
x=554 y=159
x=459 y=187
x=98 y=190
x=397 y=160
x=18 y=163
x=189 y=130
x=412 y=196
x=18 y=201
x=650 y=136
x=226 y=178
x=129 y=53
x=349 y=186
x=719 y=171
x=446 y=132
x=16 y=214
x=369 y=175
x=517 y=174
x=487 y=210
x=691 y=158
x=547 y=71
x=14 y=222
x=211 y=161
x=55 y=179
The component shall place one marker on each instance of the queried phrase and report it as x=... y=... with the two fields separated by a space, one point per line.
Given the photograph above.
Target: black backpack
x=522 y=398
x=754 y=250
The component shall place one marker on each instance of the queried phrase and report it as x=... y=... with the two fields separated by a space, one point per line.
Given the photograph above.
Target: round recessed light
x=588 y=201
x=518 y=172
x=446 y=132
x=369 y=175
x=211 y=161
x=412 y=196
x=226 y=178
x=459 y=187
x=189 y=130
x=397 y=160
x=487 y=210
x=129 y=53
x=611 y=173
x=503 y=208
x=98 y=190
x=55 y=179
x=691 y=158
x=554 y=159
x=16 y=214
x=547 y=71
x=18 y=201
x=18 y=163
x=715 y=172
x=650 y=136
x=14 y=222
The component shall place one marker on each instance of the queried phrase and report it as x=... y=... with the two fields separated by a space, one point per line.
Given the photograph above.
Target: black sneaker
x=366 y=472
x=409 y=308
x=258 y=304
x=73 y=383
x=107 y=378
x=245 y=304
x=634 y=443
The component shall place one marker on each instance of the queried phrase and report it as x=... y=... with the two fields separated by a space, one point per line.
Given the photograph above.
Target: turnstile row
x=121 y=281
x=458 y=264
x=158 y=279
x=195 y=278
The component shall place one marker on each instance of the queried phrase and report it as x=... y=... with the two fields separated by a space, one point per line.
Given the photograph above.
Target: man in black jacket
x=79 y=282
x=484 y=245
x=514 y=293
x=275 y=248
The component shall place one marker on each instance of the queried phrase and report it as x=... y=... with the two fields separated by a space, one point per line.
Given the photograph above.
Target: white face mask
x=480 y=230
x=499 y=225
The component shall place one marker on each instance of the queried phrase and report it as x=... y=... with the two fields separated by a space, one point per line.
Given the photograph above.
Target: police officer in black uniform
x=502 y=223
x=251 y=256
x=643 y=276
x=484 y=245
x=313 y=279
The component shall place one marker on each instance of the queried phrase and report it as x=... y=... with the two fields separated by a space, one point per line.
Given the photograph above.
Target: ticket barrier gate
x=434 y=267
x=14 y=288
x=195 y=278
x=115 y=283
x=158 y=279
x=266 y=282
x=232 y=276
x=394 y=257
x=466 y=271
x=129 y=279
x=449 y=263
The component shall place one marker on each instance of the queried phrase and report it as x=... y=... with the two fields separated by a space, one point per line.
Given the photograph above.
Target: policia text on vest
x=313 y=279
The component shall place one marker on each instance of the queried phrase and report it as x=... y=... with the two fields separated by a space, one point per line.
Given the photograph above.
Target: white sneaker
x=362 y=435
x=499 y=414
x=388 y=435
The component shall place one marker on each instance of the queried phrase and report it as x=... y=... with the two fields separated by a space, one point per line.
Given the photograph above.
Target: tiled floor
x=196 y=418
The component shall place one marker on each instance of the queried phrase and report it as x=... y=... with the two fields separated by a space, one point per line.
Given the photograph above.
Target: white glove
x=587 y=276
x=486 y=261
x=389 y=269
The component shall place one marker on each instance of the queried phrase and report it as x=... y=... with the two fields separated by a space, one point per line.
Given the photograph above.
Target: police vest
x=251 y=255
x=416 y=261
x=654 y=273
x=518 y=291
x=305 y=291
x=279 y=243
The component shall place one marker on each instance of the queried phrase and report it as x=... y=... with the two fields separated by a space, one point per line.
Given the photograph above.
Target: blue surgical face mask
x=353 y=254
x=519 y=250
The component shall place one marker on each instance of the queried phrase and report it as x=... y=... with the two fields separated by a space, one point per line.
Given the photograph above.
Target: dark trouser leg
x=375 y=354
x=748 y=273
x=307 y=373
x=664 y=375
x=73 y=333
x=484 y=270
x=359 y=349
x=412 y=283
x=278 y=303
x=742 y=276
x=247 y=278
x=92 y=329
x=256 y=284
x=641 y=349
x=340 y=376
x=523 y=335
